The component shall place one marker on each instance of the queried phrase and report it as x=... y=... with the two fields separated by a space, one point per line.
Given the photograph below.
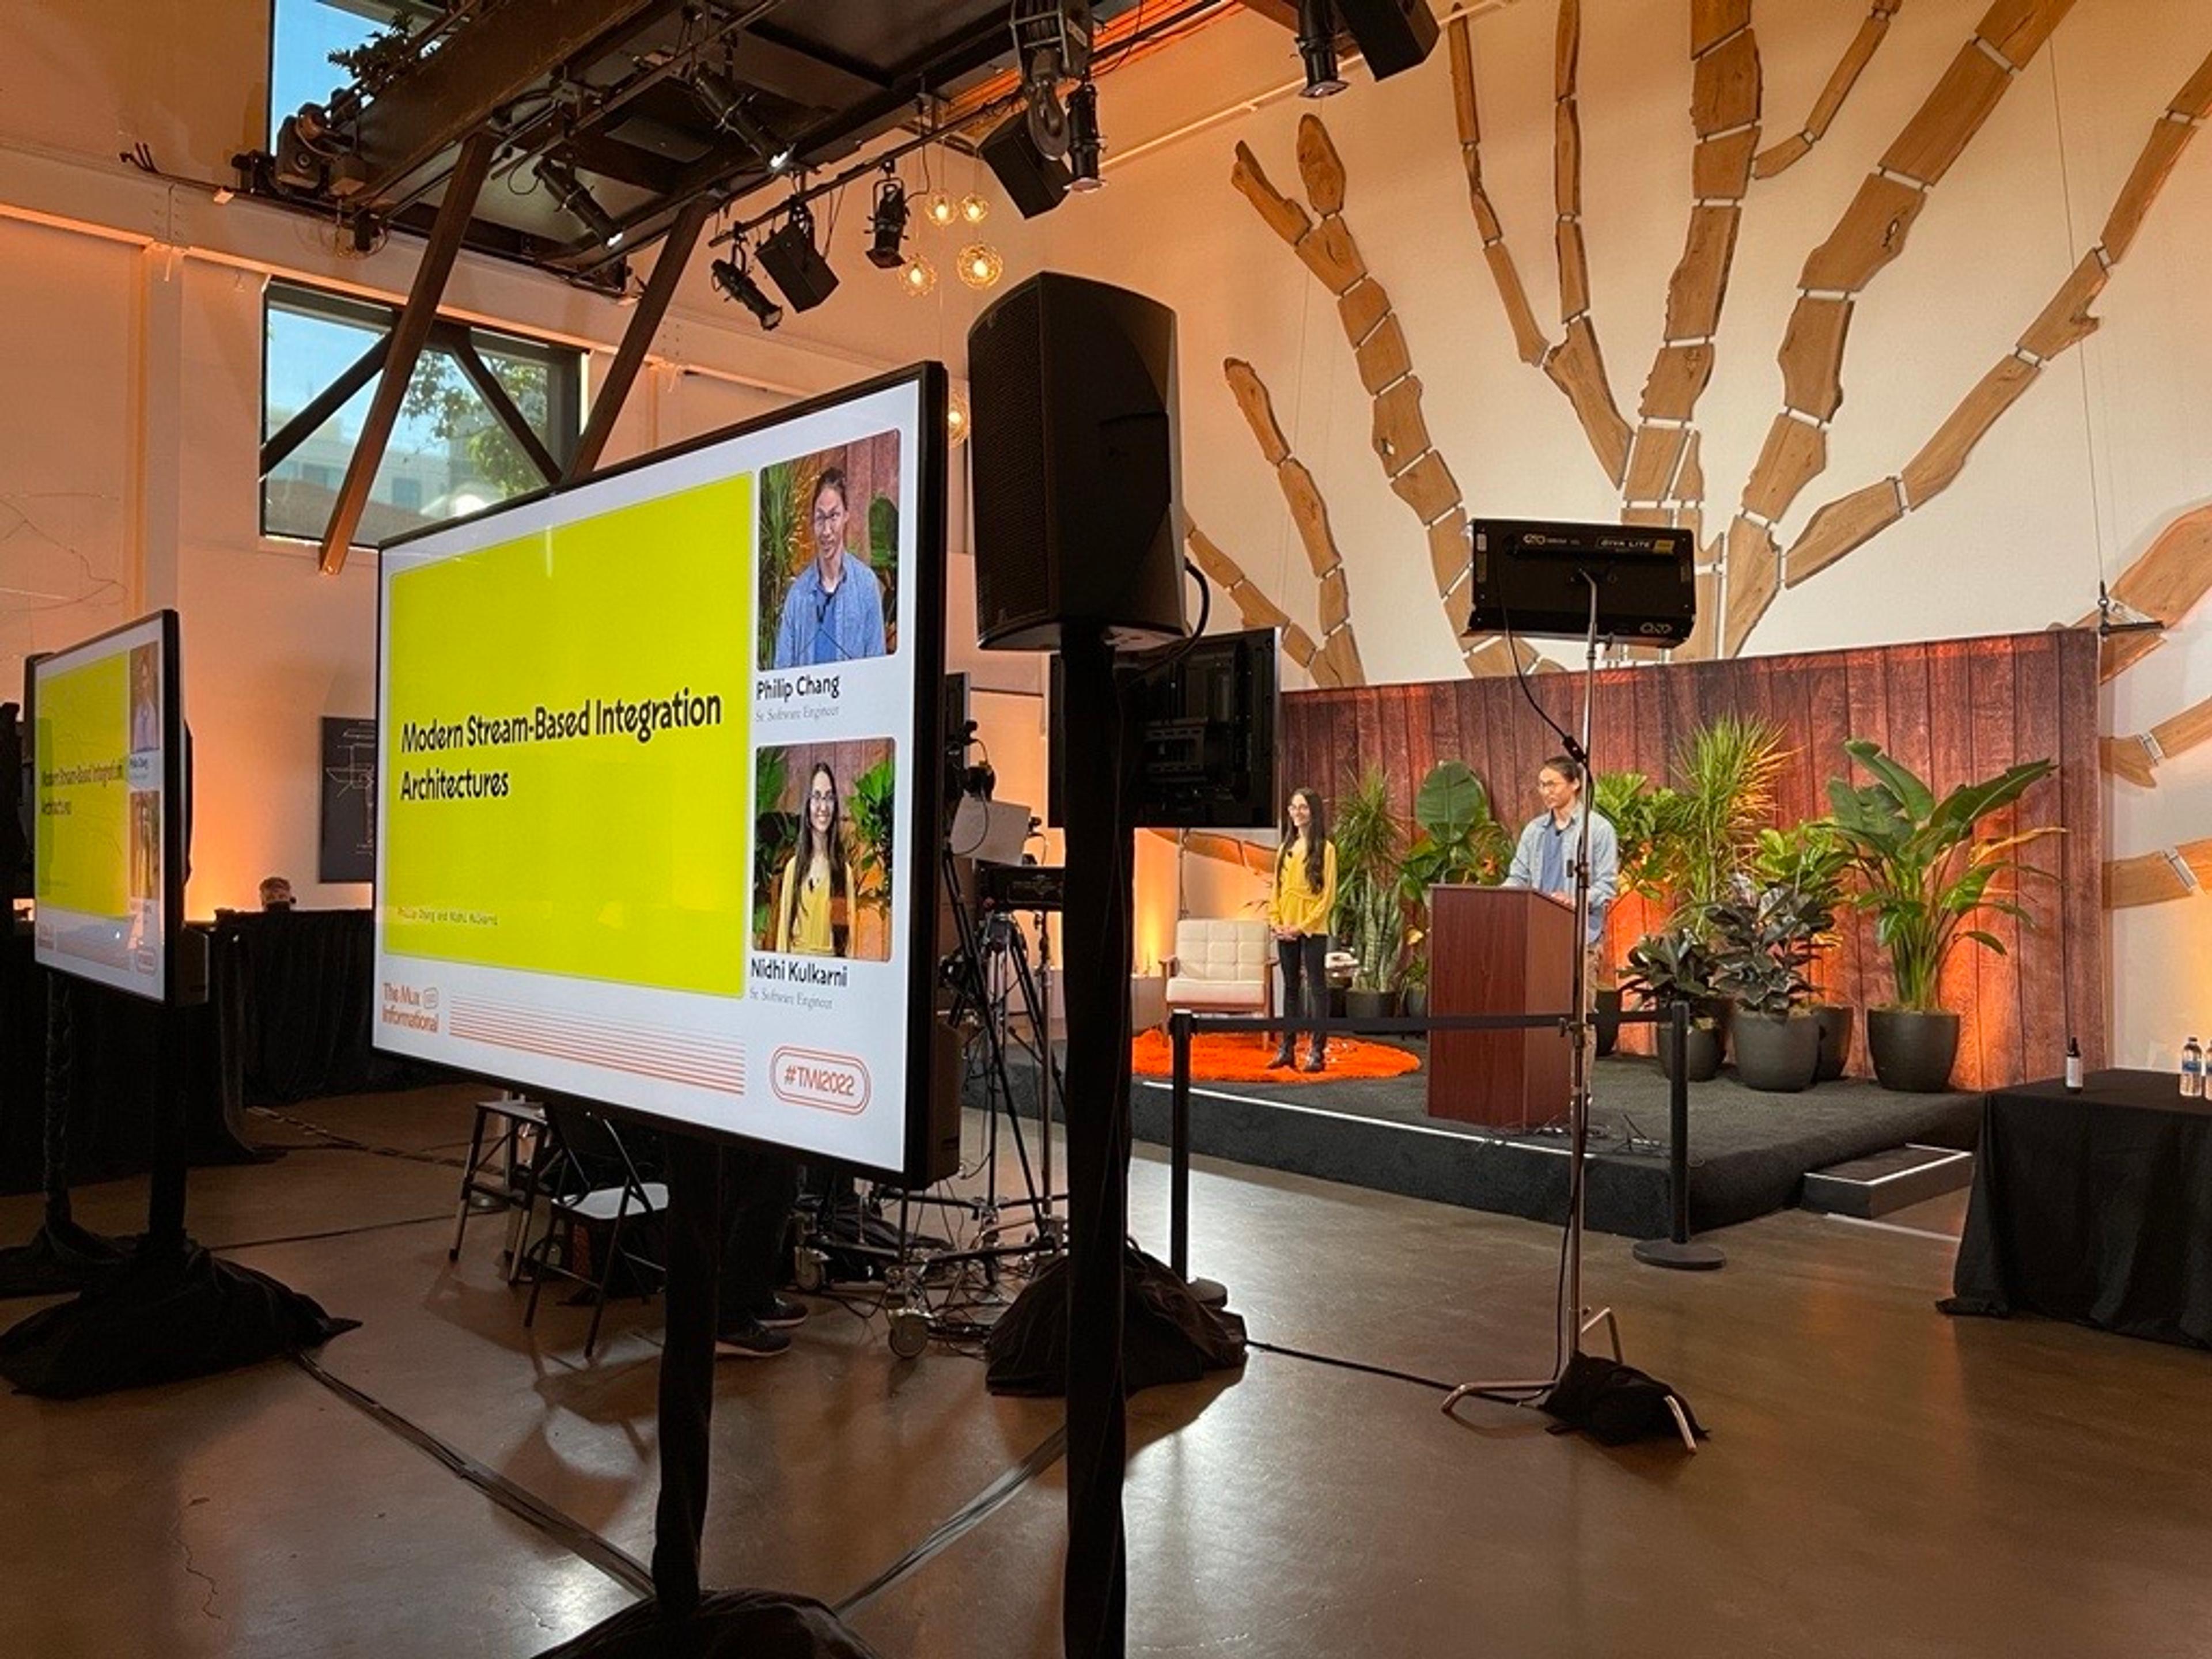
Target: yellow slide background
x=84 y=856
x=634 y=603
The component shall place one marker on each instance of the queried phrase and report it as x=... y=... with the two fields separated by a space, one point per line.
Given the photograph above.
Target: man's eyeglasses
x=836 y=515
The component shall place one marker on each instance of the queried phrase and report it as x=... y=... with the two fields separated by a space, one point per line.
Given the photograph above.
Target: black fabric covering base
x=727 y=1624
x=60 y=1259
x=2093 y=1208
x=1615 y=1404
x=163 y=1317
x=1168 y=1335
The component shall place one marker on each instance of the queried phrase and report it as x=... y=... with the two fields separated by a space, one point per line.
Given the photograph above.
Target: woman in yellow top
x=813 y=917
x=1305 y=894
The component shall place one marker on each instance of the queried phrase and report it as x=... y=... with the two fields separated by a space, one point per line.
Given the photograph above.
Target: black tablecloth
x=2095 y=1207
x=303 y=987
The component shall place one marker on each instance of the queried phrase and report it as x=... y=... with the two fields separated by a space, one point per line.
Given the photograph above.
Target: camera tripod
x=995 y=992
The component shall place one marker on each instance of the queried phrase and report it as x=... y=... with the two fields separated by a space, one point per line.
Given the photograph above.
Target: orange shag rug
x=1242 y=1057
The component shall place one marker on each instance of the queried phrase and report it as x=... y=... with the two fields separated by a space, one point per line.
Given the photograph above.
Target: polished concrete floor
x=1881 y=1481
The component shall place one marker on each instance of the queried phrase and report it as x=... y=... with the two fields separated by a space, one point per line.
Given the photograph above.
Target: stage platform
x=1749 y=1152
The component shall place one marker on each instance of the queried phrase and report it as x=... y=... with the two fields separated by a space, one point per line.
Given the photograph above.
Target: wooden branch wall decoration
x=1575 y=363
x=1841 y=80
x=1869 y=235
x=1418 y=472
x=1849 y=522
x=1336 y=665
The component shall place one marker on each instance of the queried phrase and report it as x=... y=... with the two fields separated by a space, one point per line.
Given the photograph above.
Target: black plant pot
x=1605 y=1002
x=1703 y=1051
x=1370 y=1005
x=1775 y=1054
x=1912 y=1051
x=1836 y=1020
x=1416 y=1001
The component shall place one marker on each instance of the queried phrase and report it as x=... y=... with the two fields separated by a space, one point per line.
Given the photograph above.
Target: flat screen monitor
x=108 y=877
x=659 y=768
x=1534 y=580
x=1206 y=734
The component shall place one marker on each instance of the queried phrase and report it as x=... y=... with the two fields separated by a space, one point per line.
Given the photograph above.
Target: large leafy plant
x=1706 y=827
x=1810 y=860
x=1456 y=840
x=874 y=809
x=1763 y=942
x=1371 y=845
x=1632 y=806
x=1924 y=874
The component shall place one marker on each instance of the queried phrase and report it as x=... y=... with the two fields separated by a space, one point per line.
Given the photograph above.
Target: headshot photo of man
x=829 y=555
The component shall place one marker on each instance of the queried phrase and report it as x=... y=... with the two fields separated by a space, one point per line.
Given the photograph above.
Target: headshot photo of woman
x=814 y=906
x=1304 y=895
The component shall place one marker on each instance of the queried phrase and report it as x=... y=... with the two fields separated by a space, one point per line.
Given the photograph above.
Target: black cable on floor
x=569 y=1533
x=1414 y=1377
x=969 y=1516
x=329 y=1232
x=332 y=1138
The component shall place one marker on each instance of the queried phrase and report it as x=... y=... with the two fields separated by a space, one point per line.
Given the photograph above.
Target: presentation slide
x=648 y=828
x=104 y=878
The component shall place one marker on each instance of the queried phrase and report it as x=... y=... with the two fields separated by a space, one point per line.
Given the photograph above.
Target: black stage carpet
x=1748 y=1151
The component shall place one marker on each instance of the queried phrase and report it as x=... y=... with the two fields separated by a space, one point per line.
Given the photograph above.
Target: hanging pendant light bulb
x=919 y=276
x=938 y=208
x=980 y=264
x=955 y=419
x=973 y=209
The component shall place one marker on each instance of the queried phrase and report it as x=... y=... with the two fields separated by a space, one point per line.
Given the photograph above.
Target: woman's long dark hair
x=1317 y=837
x=833 y=849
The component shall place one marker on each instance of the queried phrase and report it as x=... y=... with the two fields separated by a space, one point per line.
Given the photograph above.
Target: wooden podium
x=1499 y=950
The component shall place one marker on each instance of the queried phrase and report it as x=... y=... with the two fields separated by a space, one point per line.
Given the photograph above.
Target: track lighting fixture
x=1317 y=48
x=737 y=284
x=726 y=104
x=560 y=178
x=887 y=225
x=1083 y=143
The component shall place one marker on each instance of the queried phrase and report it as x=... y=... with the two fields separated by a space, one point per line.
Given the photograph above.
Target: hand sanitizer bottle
x=2192 y=1070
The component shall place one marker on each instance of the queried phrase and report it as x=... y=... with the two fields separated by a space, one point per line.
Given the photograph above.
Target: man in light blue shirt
x=1545 y=859
x=834 y=610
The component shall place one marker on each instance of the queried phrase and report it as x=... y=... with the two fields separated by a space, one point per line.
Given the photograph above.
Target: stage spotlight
x=570 y=191
x=973 y=209
x=793 y=262
x=937 y=206
x=980 y=264
x=728 y=106
x=919 y=276
x=1083 y=145
x=887 y=225
x=737 y=284
x=1317 y=46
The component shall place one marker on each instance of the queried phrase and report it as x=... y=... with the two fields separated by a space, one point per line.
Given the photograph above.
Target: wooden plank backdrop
x=1953 y=710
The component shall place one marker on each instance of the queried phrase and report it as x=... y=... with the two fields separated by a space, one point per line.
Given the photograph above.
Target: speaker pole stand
x=1096 y=961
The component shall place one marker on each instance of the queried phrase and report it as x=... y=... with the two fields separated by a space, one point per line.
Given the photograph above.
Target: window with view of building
x=487 y=417
x=308 y=39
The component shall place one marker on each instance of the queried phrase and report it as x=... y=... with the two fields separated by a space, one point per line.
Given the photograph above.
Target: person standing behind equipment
x=1298 y=912
x=813 y=916
x=1545 y=859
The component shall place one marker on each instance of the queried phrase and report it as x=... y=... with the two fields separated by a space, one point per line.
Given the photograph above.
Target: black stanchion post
x=1179 y=1148
x=1678 y=1251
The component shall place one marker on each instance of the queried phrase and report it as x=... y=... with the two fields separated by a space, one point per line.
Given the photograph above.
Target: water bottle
x=2192 y=1070
x=2073 y=1065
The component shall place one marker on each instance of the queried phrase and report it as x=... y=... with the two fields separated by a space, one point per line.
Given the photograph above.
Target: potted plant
x=1369 y=917
x=1456 y=840
x=1925 y=877
x=1764 y=942
x=1675 y=966
x=1704 y=829
x=1627 y=801
x=1813 y=858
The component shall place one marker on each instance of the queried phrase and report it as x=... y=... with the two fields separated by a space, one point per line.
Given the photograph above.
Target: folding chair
x=590 y=1178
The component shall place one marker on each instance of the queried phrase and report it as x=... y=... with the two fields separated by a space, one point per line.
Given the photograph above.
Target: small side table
x=1148 y=1001
x=502 y=1170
